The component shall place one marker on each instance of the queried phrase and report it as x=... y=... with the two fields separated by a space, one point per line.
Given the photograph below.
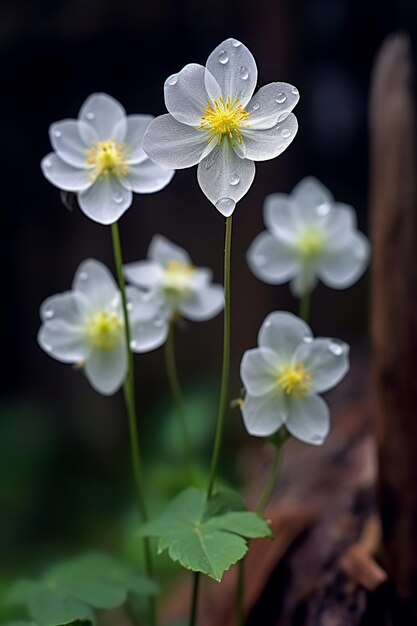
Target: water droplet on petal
x=285 y=133
x=226 y=206
x=267 y=324
x=234 y=179
x=223 y=57
x=280 y=98
x=49 y=313
x=323 y=209
x=236 y=43
x=294 y=91
x=244 y=74
x=47 y=163
x=336 y=348
x=255 y=107
x=260 y=260
x=307 y=339
x=172 y=80
x=47 y=347
x=317 y=439
x=134 y=345
x=129 y=306
x=57 y=133
x=90 y=115
x=118 y=197
x=282 y=116
x=83 y=276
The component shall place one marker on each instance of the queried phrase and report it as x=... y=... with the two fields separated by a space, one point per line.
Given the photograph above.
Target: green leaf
x=52 y=608
x=205 y=537
x=21 y=623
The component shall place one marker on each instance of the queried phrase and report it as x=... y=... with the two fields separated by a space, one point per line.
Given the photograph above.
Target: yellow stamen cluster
x=295 y=381
x=223 y=119
x=107 y=157
x=104 y=330
x=176 y=277
x=310 y=244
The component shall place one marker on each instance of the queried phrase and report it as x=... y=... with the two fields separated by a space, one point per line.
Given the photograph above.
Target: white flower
x=100 y=157
x=183 y=288
x=283 y=376
x=215 y=120
x=309 y=237
x=85 y=326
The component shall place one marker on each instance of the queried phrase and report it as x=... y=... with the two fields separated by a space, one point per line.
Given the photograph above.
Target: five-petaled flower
x=309 y=237
x=100 y=157
x=215 y=120
x=185 y=290
x=283 y=376
x=85 y=326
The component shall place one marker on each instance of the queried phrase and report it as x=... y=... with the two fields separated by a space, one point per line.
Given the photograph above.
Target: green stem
x=130 y=400
x=304 y=309
x=224 y=393
x=171 y=367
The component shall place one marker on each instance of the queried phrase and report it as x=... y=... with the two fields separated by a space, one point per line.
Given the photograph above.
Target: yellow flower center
x=310 y=244
x=223 y=119
x=177 y=276
x=108 y=157
x=295 y=381
x=104 y=330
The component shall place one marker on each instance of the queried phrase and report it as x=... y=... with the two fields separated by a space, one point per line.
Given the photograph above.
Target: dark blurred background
x=64 y=460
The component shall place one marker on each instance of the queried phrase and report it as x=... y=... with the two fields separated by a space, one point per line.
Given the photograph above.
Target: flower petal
x=104 y=114
x=327 y=360
x=305 y=280
x=272 y=260
x=339 y=223
x=203 y=304
x=148 y=325
x=174 y=145
x=342 y=267
x=280 y=217
x=263 y=415
x=64 y=176
x=94 y=281
x=70 y=143
x=283 y=332
x=272 y=104
x=312 y=198
x=186 y=96
x=65 y=342
x=135 y=128
x=68 y=306
x=145 y=274
x=262 y=145
x=106 y=370
x=308 y=419
x=106 y=200
x=234 y=68
x=225 y=178
x=162 y=250
x=147 y=177
x=257 y=371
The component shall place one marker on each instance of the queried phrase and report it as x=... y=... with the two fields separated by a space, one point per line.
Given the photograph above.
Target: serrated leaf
x=205 y=537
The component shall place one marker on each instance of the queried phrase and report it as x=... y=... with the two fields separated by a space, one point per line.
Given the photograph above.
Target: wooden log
x=393 y=203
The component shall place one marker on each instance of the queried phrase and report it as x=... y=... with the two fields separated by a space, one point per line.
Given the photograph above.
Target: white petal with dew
x=327 y=360
x=105 y=115
x=69 y=307
x=203 y=304
x=312 y=198
x=106 y=200
x=94 y=281
x=283 y=332
x=308 y=419
x=186 y=96
x=264 y=415
x=259 y=371
x=272 y=260
x=65 y=342
x=145 y=274
x=234 y=68
x=106 y=370
x=339 y=224
x=135 y=128
x=342 y=267
x=271 y=104
x=71 y=143
x=147 y=177
x=262 y=145
x=162 y=250
x=225 y=178
x=64 y=176
x=281 y=218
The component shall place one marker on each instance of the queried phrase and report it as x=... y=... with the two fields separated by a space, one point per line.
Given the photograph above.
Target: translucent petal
x=94 y=281
x=69 y=143
x=174 y=145
x=203 y=304
x=162 y=250
x=143 y=305
x=69 y=306
x=105 y=115
x=106 y=370
x=259 y=371
x=263 y=415
x=225 y=178
x=106 y=200
x=272 y=260
x=342 y=267
x=200 y=277
x=283 y=332
x=305 y=280
x=281 y=218
x=135 y=128
x=64 y=176
x=149 y=335
x=186 y=96
x=327 y=360
x=63 y=341
x=262 y=145
x=147 y=177
x=145 y=274
x=312 y=199
x=308 y=419
x=339 y=223
x=234 y=68
x=271 y=104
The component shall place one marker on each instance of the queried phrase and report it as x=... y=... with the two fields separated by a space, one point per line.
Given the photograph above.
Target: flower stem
x=304 y=307
x=130 y=400
x=171 y=367
x=224 y=393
